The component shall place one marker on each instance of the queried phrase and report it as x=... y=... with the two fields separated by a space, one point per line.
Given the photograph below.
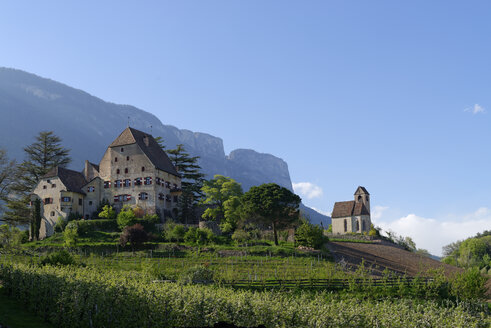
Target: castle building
x=133 y=171
x=353 y=215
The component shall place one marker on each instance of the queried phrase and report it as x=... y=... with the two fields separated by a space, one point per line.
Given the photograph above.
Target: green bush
x=70 y=234
x=60 y=224
x=108 y=213
x=86 y=226
x=309 y=235
x=240 y=236
x=197 y=236
x=197 y=274
x=469 y=284
x=62 y=257
x=174 y=232
x=126 y=217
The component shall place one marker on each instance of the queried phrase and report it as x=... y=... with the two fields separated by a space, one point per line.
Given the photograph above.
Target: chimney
x=86 y=170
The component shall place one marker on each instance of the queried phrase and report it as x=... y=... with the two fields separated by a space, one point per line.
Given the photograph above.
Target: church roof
x=349 y=208
x=72 y=180
x=361 y=190
x=150 y=147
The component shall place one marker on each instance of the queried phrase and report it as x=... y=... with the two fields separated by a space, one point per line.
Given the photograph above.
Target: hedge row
x=84 y=297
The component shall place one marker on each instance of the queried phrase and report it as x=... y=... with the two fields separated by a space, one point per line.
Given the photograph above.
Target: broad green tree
x=222 y=196
x=271 y=205
x=191 y=183
x=41 y=156
x=7 y=173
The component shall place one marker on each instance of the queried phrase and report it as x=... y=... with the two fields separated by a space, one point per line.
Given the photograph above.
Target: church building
x=353 y=215
x=133 y=171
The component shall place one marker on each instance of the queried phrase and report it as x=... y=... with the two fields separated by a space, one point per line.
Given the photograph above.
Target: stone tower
x=362 y=196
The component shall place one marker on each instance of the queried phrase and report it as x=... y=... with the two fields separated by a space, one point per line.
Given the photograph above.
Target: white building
x=353 y=215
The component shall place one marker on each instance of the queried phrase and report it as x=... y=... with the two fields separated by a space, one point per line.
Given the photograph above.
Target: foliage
x=36 y=219
x=70 y=234
x=191 y=182
x=220 y=193
x=135 y=235
x=86 y=226
x=309 y=235
x=271 y=205
x=126 y=217
x=174 y=232
x=374 y=231
x=60 y=224
x=472 y=252
x=197 y=236
x=10 y=237
x=469 y=285
x=329 y=228
x=241 y=236
x=62 y=257
x=197 y=274
x=7 y=170
x=41 y=156
x=107 y=213
x=88 y=297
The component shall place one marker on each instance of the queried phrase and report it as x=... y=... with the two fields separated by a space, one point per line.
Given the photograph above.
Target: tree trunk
x=275 y=233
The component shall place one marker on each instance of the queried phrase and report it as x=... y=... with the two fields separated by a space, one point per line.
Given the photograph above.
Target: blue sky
x=390 y=95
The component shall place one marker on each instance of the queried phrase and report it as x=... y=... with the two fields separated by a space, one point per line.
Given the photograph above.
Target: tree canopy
x=271 y=205
x=222 y=196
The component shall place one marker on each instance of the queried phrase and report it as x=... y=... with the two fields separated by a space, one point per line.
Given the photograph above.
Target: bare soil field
x=379 y=256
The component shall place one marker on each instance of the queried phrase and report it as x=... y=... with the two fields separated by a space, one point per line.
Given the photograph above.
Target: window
x=127 y=183
x=44 y=187
x=157 y=181
x=117 y=184
x=345 y=225
x=122 y=198
x=363 y=226
x=53 y=185
x=167 y=198
x=357 y=225
x=126 y=198
x=138 y=181
x=367 y=198
x=90 y=202
x=90 y=189
x=143 y=196
x=126 y=170
x=49 y=181
x=65 y=199
x=143 y=168
x=122 y=149
x=161 y=196
x=52 y=213
x=175 y=199
x=80 y=201
x=117 y=171
x=359 y=198
x=174 y=186
x=107 y=184
x=127 y=158
x=115 y=159
x=48 y=201
x=147 y=181
x=167 y=184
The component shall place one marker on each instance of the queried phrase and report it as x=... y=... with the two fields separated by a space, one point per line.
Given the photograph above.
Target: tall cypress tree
x=41 y=156
x=191 y=183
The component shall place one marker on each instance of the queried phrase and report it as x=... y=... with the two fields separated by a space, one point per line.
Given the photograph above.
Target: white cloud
x=321 y=211
x=433 y=234
x=475 y=109
x=378 y=211
x=307 y=189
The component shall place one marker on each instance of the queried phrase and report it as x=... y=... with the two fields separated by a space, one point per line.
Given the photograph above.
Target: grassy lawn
x=13 y=315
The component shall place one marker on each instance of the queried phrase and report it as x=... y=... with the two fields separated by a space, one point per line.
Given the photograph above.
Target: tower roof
x=361 y=190
x=149 y=146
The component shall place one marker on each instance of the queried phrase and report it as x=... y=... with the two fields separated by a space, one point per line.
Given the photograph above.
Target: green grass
x=13 y=314
x=361 y=241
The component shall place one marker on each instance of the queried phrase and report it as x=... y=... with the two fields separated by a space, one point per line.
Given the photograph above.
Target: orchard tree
x=271 y=205
x=41 y=156
x=222 y=196
x=191 y=183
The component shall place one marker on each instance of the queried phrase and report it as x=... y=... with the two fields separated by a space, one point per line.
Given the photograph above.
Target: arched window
x=357 y=225
x=345 y=225
x=143 y=168
x=363 y=226
x=52 y=213
x=127 y=158
x=117 y=171
x=359 y=198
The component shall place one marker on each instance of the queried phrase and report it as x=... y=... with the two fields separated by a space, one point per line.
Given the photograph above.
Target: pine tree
x=41 y=156
x=191 y=183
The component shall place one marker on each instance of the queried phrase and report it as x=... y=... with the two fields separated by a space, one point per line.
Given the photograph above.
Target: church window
x=357 y=225
x=345 y=225
x=363 y=226
x=143 y=196
x=117 y=171
x=126 y=170
x=359 y=198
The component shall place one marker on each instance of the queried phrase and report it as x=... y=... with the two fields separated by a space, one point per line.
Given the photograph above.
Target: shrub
x=60 y=224
x=374 y=232
x=199 y=236
x=108 y=213
x=469 y=284
x=241 y=236
x=86 y=226
x=70 y=234
x=197 y=274
x=62 y=257
x=126 y=217
x=174 y=232
x=10 y=236
x=309 y=235
x=135 y=235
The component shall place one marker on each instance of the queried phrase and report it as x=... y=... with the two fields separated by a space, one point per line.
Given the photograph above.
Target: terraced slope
x=379 y=256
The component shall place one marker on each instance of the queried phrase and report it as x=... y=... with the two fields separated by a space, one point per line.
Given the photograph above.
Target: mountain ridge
x=88 y=124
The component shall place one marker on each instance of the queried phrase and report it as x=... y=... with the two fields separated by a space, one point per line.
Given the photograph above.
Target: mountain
x=87 y=125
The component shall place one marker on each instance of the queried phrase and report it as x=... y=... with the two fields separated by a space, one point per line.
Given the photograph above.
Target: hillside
x=87 y=125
